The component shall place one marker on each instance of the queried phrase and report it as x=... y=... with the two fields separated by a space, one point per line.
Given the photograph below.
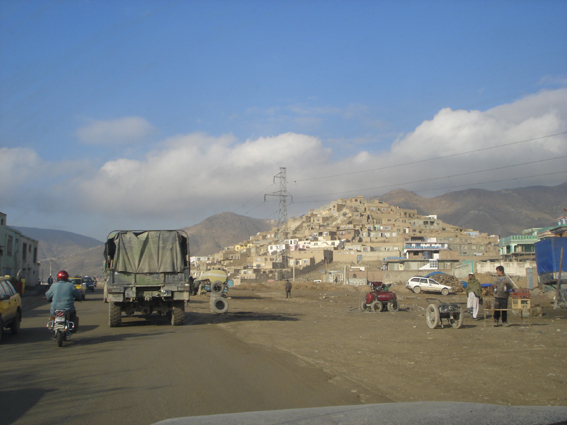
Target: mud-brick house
x=309 y=257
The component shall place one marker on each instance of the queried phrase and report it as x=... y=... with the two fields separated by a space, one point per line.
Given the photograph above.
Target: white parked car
x=418 y=284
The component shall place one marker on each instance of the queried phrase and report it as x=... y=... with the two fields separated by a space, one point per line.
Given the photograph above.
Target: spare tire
x=219 y=305
x=217 y=287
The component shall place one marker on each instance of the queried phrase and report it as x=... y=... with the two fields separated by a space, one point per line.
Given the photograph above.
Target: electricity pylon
x=282 y=233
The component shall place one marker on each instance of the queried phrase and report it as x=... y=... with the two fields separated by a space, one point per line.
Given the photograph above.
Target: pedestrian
x=50 y=280
x=474 y=295
x=287 y=289
x=502 y=285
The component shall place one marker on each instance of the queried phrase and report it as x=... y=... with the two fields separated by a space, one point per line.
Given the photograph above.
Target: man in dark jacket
x=287 y=289
x=474 y=295
x=62 y=296
x=502 y=285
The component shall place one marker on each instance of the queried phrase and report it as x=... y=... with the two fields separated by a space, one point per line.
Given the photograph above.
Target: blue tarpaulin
x=548 y=255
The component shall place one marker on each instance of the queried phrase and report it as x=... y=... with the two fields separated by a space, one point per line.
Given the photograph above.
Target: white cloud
x=121 y=131
x=190 y=177
x=553 y=80
x=18 y=167
x=457 y=131
x=196 y=170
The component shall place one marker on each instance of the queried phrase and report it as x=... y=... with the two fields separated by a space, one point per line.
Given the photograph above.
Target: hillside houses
x=354 y=231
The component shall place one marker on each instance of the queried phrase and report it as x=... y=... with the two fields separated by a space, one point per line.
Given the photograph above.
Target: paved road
x=146 y=371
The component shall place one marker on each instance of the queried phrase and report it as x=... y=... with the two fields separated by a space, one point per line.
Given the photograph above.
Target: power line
x=438 y=188
x=431 y=159
x=497 y=181
x=255 y=196
x=438 y=178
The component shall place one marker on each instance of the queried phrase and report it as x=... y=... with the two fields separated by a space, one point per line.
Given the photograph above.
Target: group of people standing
x=502 y=285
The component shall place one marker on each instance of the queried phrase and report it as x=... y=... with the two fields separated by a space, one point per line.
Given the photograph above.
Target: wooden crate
x=521 y=304
x=521 y=293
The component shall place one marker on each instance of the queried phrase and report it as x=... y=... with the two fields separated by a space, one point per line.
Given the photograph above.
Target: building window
x=24 y=251
x=9 y=247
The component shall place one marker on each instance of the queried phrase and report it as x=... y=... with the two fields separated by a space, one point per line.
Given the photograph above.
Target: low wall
x=391 y=276
x=353 y=281
x=513 y=268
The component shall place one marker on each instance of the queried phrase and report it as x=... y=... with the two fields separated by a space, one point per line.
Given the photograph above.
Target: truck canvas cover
x=548 y=255
x=154 y=251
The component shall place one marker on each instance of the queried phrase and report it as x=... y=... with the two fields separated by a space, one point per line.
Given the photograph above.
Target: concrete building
x=519 y=247
x=18 y=254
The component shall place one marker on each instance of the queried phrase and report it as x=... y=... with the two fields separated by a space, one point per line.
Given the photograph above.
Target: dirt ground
x=394 y=356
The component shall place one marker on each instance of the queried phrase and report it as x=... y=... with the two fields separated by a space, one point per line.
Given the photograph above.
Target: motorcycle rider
x=62 y=295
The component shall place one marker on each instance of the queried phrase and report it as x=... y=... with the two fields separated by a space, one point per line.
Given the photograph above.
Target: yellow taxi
x=10 y=307
x=79 y=284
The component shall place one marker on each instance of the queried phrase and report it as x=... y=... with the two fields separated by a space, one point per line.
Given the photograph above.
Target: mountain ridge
x=503 y=212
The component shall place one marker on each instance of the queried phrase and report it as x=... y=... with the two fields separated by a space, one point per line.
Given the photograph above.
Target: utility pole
x=282 y=233
x=558 y=293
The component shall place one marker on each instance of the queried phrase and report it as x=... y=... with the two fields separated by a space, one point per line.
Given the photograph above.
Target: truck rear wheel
x=114 y=315
x=178 y=313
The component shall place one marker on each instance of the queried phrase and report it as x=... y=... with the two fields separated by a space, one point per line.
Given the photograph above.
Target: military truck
x=147 y=271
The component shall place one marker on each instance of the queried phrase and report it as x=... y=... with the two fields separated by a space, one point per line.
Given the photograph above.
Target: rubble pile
x=452 y=281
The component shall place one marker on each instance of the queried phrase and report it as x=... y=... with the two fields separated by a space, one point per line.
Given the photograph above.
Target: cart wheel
x=376 y=306
x=392 y=305
x=457 y=319
x=432 y=316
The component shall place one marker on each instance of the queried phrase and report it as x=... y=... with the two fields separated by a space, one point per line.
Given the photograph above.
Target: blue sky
x=136 y=114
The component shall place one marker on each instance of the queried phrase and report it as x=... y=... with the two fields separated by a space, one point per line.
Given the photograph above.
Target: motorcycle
x=61 y=326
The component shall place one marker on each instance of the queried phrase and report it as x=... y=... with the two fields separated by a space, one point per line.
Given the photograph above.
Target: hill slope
x=57 y=243
x=81 y=255
x=222 y=230
x=503 y=212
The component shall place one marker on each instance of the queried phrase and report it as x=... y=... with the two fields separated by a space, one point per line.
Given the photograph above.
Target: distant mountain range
x=502 y=212
x=57 y=243
x=221 y=230
x=81 y=255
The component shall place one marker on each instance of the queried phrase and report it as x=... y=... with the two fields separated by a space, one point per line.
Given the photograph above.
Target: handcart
x=437 y=310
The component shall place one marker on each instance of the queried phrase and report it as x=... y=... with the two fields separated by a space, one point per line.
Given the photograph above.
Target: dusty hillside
x=58 y=243
x=222 y=230
x=82 y=255
x=503 y=212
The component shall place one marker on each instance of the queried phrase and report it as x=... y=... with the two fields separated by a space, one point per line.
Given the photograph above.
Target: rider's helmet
x=63 y=275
